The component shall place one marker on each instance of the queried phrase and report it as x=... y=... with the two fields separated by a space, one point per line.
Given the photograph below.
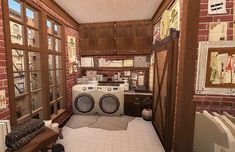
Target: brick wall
x=4 y=113
x=209 y=102
x=70 y=78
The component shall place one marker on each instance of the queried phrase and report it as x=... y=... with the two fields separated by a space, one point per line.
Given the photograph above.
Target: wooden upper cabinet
x=89 y=40
x=142 y=37
x=106 y=44
x=132 y=37
x=124 y=38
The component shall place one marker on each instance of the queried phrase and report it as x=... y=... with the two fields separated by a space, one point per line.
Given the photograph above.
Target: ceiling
x=91 y=11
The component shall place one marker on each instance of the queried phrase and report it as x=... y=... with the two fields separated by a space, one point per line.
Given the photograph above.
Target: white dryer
x=110 y=99
x=83 y=99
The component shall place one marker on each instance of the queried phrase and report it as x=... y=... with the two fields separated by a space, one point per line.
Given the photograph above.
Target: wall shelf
x=115 y=68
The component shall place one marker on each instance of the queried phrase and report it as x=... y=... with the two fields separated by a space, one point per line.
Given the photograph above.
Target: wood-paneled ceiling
x=91 y=11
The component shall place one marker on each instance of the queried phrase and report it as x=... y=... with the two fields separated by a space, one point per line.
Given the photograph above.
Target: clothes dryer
x=110 y=100
x=83 y=99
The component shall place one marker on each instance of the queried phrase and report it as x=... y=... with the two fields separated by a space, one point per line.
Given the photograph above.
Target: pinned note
x=3 y=103
x=217 y=7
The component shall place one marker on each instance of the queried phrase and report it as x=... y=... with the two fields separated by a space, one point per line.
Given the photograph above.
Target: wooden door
x=164 y=92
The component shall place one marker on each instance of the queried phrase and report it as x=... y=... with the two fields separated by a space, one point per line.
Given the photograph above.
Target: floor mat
x=103 y=122
x=79 y=121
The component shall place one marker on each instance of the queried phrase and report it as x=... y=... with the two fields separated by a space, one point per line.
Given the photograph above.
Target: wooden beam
x=59 y=10
x=185 y=108
x=163 y=6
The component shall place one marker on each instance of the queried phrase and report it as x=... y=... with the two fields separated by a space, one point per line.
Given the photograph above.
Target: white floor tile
x=140 y=136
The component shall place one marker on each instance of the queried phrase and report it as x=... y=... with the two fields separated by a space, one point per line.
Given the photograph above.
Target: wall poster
x=3 y=103
x=71 y=42
x=217 y=7
x=218 y=31
x=72 y=55
x=216 y=68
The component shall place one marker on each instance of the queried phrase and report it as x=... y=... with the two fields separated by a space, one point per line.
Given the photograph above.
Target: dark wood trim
x=170 y=44
x=60 y=11
x=163 y=6
x=170 y=128
x=8 y=51
x=185 y=109
x=173 y=35
x=46 y=97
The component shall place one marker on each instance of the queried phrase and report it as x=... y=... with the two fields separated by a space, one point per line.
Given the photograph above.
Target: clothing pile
x=22 y=134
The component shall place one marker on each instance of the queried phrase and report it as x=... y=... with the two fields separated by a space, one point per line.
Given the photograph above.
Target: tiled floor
x=139 y=137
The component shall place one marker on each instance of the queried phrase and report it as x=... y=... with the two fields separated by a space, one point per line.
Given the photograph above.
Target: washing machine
x=84 y=102
x=110 y=99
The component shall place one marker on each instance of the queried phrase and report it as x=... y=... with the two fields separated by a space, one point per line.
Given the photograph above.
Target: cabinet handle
x=137 y=103
x=137 y=98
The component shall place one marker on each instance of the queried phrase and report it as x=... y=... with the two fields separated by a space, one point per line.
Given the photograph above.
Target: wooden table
x=40 y=142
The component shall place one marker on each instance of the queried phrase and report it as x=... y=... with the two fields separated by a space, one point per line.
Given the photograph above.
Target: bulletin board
x=220 y=72
x=210 y=79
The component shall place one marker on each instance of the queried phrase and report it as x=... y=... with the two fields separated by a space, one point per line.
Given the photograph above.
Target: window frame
x=42 y=50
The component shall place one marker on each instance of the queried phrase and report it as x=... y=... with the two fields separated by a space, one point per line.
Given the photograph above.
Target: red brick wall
x=209 y=102
x=70 y=78
x=4 y=113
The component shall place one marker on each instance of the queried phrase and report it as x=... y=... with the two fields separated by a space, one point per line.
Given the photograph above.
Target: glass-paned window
x=16 y=33
x=15 y=9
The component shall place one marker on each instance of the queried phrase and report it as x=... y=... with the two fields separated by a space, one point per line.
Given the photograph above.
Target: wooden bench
x=40 y=142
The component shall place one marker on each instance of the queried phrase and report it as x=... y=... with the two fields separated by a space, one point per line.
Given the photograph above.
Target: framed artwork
x=71 y=41
x=216 y=68
x=220 y=70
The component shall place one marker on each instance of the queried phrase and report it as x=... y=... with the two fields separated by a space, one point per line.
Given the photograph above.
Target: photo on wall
x=221 y=67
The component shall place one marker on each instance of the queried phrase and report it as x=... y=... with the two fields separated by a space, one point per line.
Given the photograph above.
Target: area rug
x=111 y=123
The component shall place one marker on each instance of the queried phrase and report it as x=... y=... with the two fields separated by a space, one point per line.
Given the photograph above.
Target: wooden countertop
x=138 y=93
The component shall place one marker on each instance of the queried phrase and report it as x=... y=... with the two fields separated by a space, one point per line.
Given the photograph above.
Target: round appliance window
x=84 y=103
x=109 y=103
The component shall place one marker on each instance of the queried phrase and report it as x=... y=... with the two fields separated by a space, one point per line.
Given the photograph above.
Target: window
x=29 y=94
x=26 y=67
x=57 y=99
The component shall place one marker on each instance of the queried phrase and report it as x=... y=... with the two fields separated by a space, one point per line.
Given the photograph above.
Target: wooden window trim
x=42 y=49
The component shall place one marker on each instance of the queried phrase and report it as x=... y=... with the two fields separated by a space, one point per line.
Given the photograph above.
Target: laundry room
x=117 y=76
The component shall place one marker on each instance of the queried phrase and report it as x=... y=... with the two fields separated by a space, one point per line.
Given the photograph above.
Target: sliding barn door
x=164 y=89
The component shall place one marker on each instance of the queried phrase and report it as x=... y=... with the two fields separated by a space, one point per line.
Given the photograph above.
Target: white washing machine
x=110 y=99
x=83 y=99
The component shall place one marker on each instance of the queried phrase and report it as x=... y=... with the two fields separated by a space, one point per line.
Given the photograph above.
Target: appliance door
x=84 y=103
x=109 y=103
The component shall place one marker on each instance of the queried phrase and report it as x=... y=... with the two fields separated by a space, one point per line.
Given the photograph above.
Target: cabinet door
x=142 y=37
x=124 y=38
x=133 y=104
x=106 y=45
x=89 y=40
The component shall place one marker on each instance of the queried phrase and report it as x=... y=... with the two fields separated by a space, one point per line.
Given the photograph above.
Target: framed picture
x=221 y=68
x=216 y=69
